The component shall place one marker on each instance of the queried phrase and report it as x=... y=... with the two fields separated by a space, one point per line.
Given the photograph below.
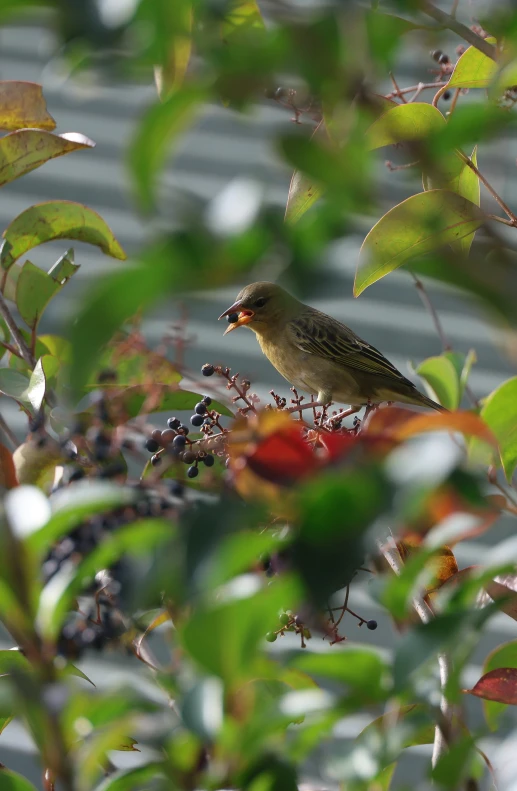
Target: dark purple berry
x=232 y=318
x=155 y=460
x=151 y=445
x=184 y=429
x=200 y=408
x=207 y=369
x=167 y=436
x=188 y=457
x=192 y=472
x=208 y=460
x=207 y=421
x=197 y=420
x=207 y=400
x=156 y=434
x=443 y=58
x=436 y=54
x=176 y=488
x=446 y=96
x=107 y=375
x=372 y=625
x=179 y=442
x=174 y=423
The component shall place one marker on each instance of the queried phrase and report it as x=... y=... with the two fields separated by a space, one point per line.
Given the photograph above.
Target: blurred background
x=224 y=156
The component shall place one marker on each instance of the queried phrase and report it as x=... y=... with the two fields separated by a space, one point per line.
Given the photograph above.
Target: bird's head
x=261 y=306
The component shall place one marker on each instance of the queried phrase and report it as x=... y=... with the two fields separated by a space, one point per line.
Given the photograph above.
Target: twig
x=8 y=433
x=16 y=334
x=491 y=190
x=422 y=86
x=454 y=8
x=434 y=315
x=397 y=89
x=424 y=612
x=461 y=30
x=501 y=219
x=454 y=100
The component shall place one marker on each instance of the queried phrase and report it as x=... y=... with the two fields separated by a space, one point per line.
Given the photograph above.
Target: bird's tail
x=423 y=400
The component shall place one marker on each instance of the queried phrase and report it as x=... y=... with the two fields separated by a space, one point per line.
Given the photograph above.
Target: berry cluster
x=289 y=622
x=174 y=442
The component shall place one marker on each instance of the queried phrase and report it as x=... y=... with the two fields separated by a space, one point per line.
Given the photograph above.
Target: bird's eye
x=261 y=301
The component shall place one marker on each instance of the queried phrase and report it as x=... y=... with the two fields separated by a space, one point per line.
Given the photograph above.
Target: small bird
x=317 y=353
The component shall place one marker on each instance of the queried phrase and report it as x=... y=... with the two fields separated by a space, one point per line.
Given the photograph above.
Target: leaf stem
x=424 y=296
x=422 y=86
x=461 y=30
x=444 y=727
x=490 y=189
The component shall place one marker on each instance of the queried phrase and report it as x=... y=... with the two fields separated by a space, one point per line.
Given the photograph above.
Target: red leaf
x=7 y=471
x=504 y=588
x=499 y=685
x=283 y=457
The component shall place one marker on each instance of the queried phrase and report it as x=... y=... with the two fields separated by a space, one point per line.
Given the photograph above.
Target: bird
x=318 y=354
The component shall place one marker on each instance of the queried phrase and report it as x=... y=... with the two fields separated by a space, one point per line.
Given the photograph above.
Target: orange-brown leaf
x=22 y=105
x=462 y=422
x=504 y=590
x=7 y=472
x=499 y=685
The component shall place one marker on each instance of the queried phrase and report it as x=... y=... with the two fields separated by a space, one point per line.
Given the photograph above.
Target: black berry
x=436 y=54
x=207 y=369
x=200 y=408
x=151 y=445
x=179 y=441
x=155 y=460
x=188 y=457
x=107 y=375
x=372 y=625
x=443 y=58
x=197 y=420
x=185 y=429
x=207 y=400
x=176 y=488
x=174 y=423
x=208 y=460
x=167 y=436
x=192 y=472
x=232 y=318
x=446 y=96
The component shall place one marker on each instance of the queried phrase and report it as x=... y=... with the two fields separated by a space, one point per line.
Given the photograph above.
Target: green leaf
x=12 y=660
x=4 y=722
x=361 y=669
x=131 y=779
x=454 y=765
x=503 y=656
x=404 y=123
x=303 y=191
x=28 y=149
x=170 y=72
x=417 y=726
x=34 y=290
x=12 y=781
x=14 y=384
x=384 y=33
x=57 y=347
x=473 y=70
x=46 y=222
x=22 y=106
x=138 y=538
x=416 y=226
x=157 y=130
x=467 y=185
x=224 y=635
x=441 y=375
x=499 y=412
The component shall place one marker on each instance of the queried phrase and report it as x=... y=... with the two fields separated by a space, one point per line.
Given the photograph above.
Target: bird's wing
x=316 y=333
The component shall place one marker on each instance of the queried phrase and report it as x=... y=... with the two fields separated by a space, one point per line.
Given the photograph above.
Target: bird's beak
x=245 y=316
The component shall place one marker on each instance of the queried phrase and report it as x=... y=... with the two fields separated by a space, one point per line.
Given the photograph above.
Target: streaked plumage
x=319 y=354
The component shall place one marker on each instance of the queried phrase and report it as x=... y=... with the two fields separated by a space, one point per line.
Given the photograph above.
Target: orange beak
x=245 y=316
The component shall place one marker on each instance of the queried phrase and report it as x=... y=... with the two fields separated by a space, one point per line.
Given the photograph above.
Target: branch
x=434 y=315
x=16 y=334
x=424 y=612
x=489 y=187
x=461 y=30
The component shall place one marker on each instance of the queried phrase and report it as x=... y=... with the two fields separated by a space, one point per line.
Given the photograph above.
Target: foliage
x=205 y=543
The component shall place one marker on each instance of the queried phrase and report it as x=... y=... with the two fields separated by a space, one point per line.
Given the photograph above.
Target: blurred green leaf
x=11 y=661
x=360 y=669
x=241 y=16
x=157 y=130
x=504 y=655
x=224 y=636
x=412 y=721
x=499 y=411
x=23 y=106
x=270 y=772
x=28 y=149
x=441 y=375
x=384 y=33
x=238 y=553
x=467 y=185
x=46 y=222
x=131 y=779
x=57 y=597
x=454 y=765
x=418 y=225
x=303 y=192
x=12 y=781
x=176 y=23
x=4 y=722
x=403 y=123
x=14 y=384
x=474 y=69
